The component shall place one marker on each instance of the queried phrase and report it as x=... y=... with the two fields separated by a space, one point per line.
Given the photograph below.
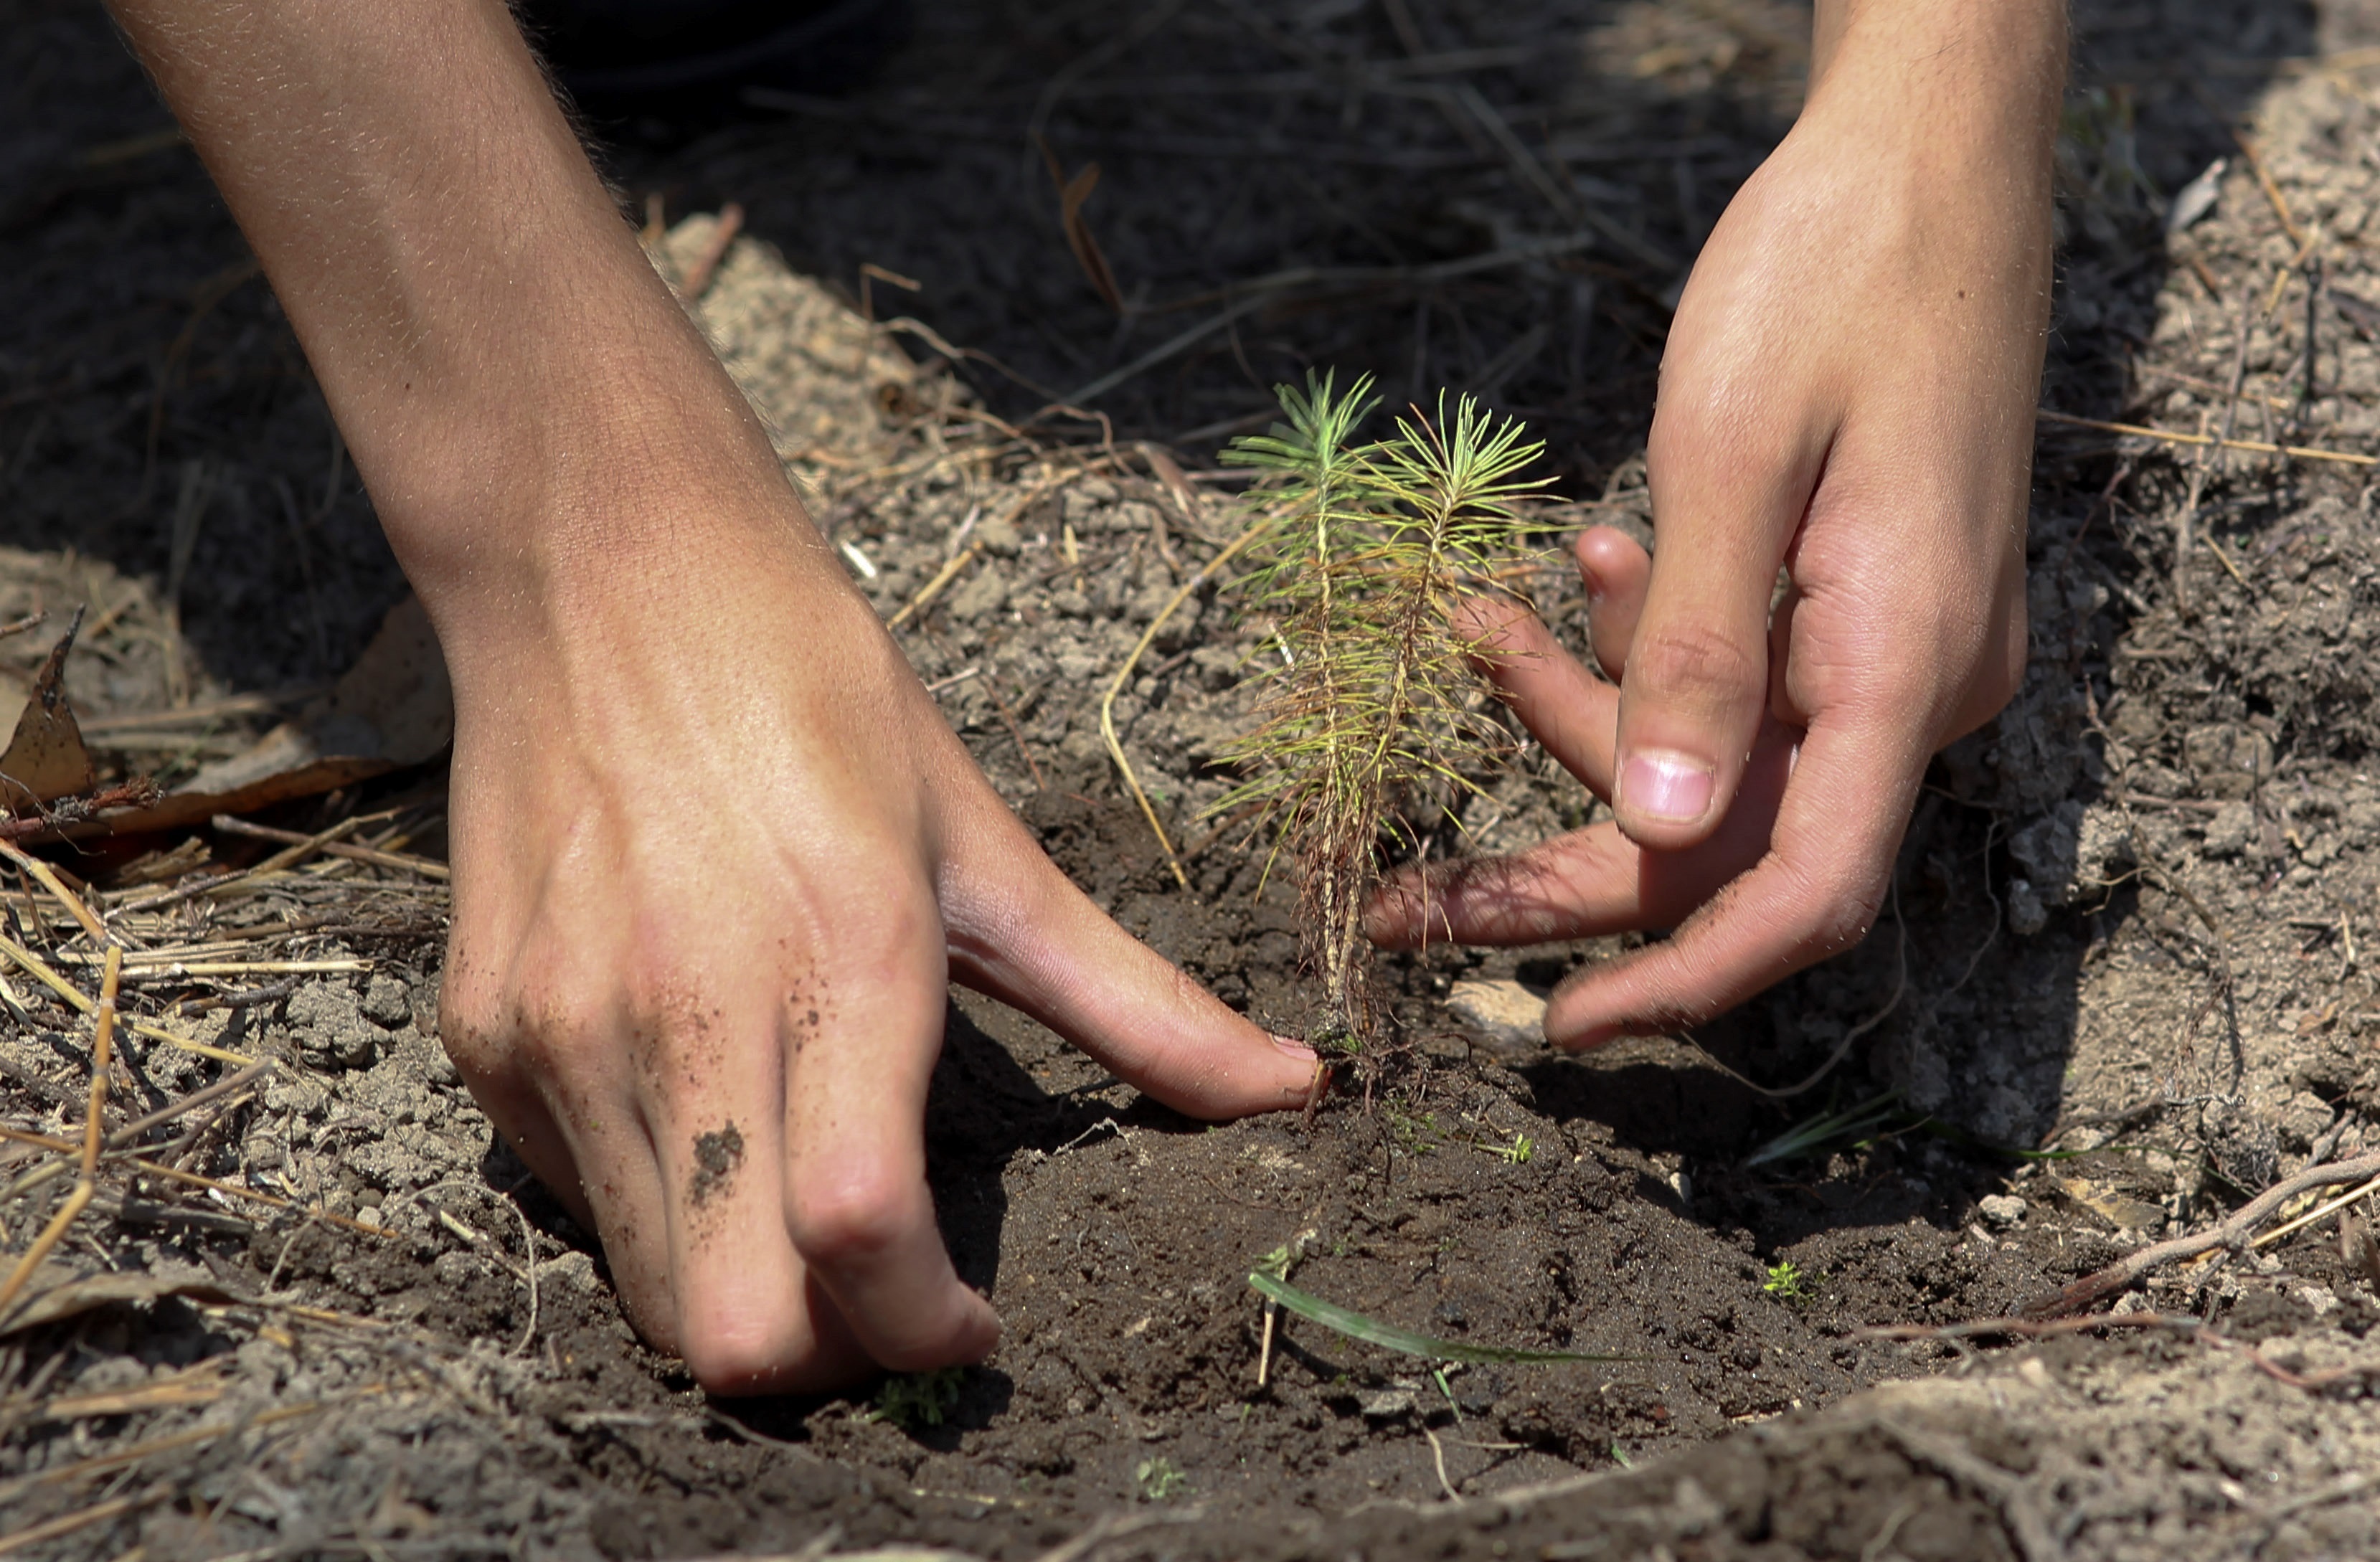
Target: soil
x=2120 y=989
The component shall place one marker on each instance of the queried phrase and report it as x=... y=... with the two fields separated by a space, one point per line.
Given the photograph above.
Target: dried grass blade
x=39 y=969
x=86 y=1182
x=2171 y=436
x=1124 y=675
x=49 y=880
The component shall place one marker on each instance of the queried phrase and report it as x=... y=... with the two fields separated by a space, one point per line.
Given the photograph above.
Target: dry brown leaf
x=45 y=759
x=1071 y=193
x=2124 y=1213
x=392 y=709
x=54 y=1293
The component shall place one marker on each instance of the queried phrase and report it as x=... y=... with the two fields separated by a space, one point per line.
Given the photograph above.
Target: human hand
x=714 y=852
x=1848 y=394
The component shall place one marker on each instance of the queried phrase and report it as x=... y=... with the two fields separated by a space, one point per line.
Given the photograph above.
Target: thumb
x=1020 y=931
x=1696 y=679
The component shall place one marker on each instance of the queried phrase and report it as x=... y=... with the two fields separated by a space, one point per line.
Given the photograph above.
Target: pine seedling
x=1371 y=712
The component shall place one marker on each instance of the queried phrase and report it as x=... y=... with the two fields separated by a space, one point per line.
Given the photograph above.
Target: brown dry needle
x=87 y=1180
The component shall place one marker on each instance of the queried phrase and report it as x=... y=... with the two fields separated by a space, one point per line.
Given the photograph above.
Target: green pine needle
x=1374 y=712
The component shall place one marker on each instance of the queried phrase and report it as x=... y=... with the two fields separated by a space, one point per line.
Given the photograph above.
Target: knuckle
x=1695 y=663
x=849 y=1220
x=732 y=1348
x=1841 y=914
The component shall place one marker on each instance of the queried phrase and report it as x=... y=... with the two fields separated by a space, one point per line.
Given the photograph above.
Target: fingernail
x=1665 y=786
x=1296 y=1048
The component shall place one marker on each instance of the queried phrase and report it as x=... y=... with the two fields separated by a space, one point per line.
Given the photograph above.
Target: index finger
x=1814 y=892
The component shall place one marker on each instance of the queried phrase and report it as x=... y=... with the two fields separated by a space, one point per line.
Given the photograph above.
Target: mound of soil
x=2121 y=989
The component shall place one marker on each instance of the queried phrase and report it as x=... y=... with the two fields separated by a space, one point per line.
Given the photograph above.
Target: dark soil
x=2127 y=932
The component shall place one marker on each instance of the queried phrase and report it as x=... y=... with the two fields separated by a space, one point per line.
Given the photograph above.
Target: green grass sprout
x=1158 y=1480
x=1789 y=1282
x=1355 y=1325
x=1847 y=1127
x=1518 y=1152
x=910 y=1400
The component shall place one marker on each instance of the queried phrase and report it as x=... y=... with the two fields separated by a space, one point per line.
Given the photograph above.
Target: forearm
x=1961 y=76
x=493 y=346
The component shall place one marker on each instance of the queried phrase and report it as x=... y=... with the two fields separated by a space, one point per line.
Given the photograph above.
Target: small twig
x=2315 y=1217
x=228 y=1084
x=1015 y=731
x=329 y=844
x=2231 y=1233
x=1123 y=676
x=2264 y=182
x=2186 y=527
x=968 y=555
x=247 y=998
x=80 y=1519
x=306 y=846
x=68 y=812
x=2253 y=447
x=192 y=1179
x=1437 y=1456
x=933 y=588
x=699 y=275
x=48 y=880
x=87 y=1180
x=1842 y=1049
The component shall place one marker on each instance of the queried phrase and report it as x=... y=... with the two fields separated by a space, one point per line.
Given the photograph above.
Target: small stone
x=331 y=1029
x=2026 y=913
x=574 y=1272
x=2228 y=832
x=999 y=536
x=1509 y=1015
x=984 y=593
x=2000 y=1211
x=388 y=1003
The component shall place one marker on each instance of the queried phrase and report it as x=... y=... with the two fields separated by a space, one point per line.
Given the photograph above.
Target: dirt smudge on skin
x=716 y=1156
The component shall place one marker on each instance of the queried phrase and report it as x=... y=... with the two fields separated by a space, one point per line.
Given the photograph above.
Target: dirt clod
x=716 y=1155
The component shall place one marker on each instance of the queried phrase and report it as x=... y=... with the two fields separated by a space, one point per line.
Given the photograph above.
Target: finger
x=1725 y=500
x=1019 y=931
x=579 y=1134
x=864 y=1040
x=1585 y=884
x=1615 y=572
x=745 y=1312
x=1566 y=707
x=1812 y=895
